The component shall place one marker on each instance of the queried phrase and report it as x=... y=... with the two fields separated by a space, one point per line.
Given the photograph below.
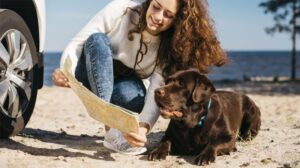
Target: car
x=22 y=37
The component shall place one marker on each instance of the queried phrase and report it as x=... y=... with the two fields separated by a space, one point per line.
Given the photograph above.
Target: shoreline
x=61 y=134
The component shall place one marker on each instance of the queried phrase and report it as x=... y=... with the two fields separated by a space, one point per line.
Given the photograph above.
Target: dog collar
x=203 y=117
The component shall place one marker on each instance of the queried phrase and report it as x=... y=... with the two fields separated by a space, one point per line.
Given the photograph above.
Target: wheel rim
x=16 y=73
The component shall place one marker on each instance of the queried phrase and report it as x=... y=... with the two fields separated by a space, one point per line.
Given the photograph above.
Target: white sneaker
x=115 y=141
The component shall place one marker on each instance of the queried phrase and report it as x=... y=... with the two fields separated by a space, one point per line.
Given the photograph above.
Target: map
x=109 y=114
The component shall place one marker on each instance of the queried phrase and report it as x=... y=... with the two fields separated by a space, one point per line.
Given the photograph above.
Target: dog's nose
x=159 y=92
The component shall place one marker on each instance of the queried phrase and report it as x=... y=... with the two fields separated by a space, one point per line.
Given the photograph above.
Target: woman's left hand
x=137 y=140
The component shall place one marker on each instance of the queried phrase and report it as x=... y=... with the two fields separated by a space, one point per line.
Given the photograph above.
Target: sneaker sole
x=109 y=146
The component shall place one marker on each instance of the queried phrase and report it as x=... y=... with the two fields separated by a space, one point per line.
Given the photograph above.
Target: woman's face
x=161 y=15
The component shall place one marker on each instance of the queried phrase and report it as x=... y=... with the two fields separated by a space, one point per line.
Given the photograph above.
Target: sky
x=240 y=24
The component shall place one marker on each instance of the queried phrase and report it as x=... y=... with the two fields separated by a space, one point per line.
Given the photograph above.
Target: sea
x=242 y=65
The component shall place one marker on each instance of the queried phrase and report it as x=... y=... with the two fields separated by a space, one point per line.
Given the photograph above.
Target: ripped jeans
x=95 y=70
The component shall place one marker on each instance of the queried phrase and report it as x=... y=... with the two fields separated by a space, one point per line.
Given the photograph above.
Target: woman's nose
x=159 y=17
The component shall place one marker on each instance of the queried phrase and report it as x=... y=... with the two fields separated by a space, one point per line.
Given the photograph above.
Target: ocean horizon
x=243 y=64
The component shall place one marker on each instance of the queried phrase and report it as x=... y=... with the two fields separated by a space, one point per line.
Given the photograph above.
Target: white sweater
x=112 y=21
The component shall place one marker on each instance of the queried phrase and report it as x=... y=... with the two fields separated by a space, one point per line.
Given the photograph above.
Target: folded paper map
x=107 y=113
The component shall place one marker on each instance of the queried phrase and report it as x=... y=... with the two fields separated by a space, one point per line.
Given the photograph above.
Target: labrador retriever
x=204 y=122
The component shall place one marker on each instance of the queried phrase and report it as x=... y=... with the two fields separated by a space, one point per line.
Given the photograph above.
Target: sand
x=61 y=134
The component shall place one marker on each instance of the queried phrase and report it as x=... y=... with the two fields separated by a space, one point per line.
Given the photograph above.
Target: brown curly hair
x=191 y=42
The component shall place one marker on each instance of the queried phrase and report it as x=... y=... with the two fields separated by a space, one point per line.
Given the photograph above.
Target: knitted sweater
x=114 y=20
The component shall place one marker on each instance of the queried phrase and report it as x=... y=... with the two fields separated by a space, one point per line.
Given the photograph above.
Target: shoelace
x=127 y=148
x=120 y=144
x=124 y=146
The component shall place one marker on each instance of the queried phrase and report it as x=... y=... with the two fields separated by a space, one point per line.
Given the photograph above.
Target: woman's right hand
x=59 y=79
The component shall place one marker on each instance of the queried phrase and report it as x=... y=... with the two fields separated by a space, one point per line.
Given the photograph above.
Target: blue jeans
x=95 y=70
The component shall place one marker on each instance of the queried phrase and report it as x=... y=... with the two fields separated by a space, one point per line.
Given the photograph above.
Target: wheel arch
x=27 y=10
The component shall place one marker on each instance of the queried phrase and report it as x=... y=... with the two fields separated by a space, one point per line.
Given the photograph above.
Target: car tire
x=18 y=73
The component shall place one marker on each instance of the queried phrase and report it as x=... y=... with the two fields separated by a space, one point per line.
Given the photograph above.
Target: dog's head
x=183 y=96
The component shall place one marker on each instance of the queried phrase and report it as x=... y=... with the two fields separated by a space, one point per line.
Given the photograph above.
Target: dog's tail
x=251 y=120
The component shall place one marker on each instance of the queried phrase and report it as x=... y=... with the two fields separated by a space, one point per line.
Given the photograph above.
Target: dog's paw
x=161 y=152
x=205 y=158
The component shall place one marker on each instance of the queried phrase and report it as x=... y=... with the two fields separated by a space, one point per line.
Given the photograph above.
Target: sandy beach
x=61 y=134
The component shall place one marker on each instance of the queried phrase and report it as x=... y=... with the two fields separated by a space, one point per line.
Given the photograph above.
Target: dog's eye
x=169 y=81
x=180 y=83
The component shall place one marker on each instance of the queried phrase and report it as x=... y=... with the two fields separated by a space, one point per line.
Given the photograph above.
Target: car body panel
x=41 y=15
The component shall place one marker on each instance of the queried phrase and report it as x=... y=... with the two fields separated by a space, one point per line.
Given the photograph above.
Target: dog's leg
x=226 y=148
x=207 y=155
x=251 y=120
x=161 y=152
x=220 y=142
x=214 y=149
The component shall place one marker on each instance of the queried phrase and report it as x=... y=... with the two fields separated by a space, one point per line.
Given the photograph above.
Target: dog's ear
x=210 y=86
x=202 y=91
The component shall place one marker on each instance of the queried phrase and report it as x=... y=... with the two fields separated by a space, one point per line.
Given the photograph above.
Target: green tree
x=286 y=13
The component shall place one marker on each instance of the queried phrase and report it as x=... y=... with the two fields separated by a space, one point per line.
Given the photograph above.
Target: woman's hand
x=59 y=79
x=137 y=140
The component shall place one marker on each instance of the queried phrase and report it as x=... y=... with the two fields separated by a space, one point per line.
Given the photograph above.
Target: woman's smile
x=153 y=24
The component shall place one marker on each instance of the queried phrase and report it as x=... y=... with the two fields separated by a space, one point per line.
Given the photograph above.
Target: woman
x=124 y=52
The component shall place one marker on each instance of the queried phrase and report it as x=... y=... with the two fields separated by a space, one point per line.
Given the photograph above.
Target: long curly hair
x=191 y=42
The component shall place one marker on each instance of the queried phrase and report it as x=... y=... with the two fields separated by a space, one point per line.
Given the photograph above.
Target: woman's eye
x=169 y=16
x=156 y=7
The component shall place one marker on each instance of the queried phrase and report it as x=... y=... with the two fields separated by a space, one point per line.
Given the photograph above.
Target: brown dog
x=204 y=122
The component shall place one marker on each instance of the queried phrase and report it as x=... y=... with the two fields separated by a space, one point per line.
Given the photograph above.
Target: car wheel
x=18 y=73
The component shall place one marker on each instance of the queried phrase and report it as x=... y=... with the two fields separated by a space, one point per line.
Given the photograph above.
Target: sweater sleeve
x=150 y=112
x=103 y=22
